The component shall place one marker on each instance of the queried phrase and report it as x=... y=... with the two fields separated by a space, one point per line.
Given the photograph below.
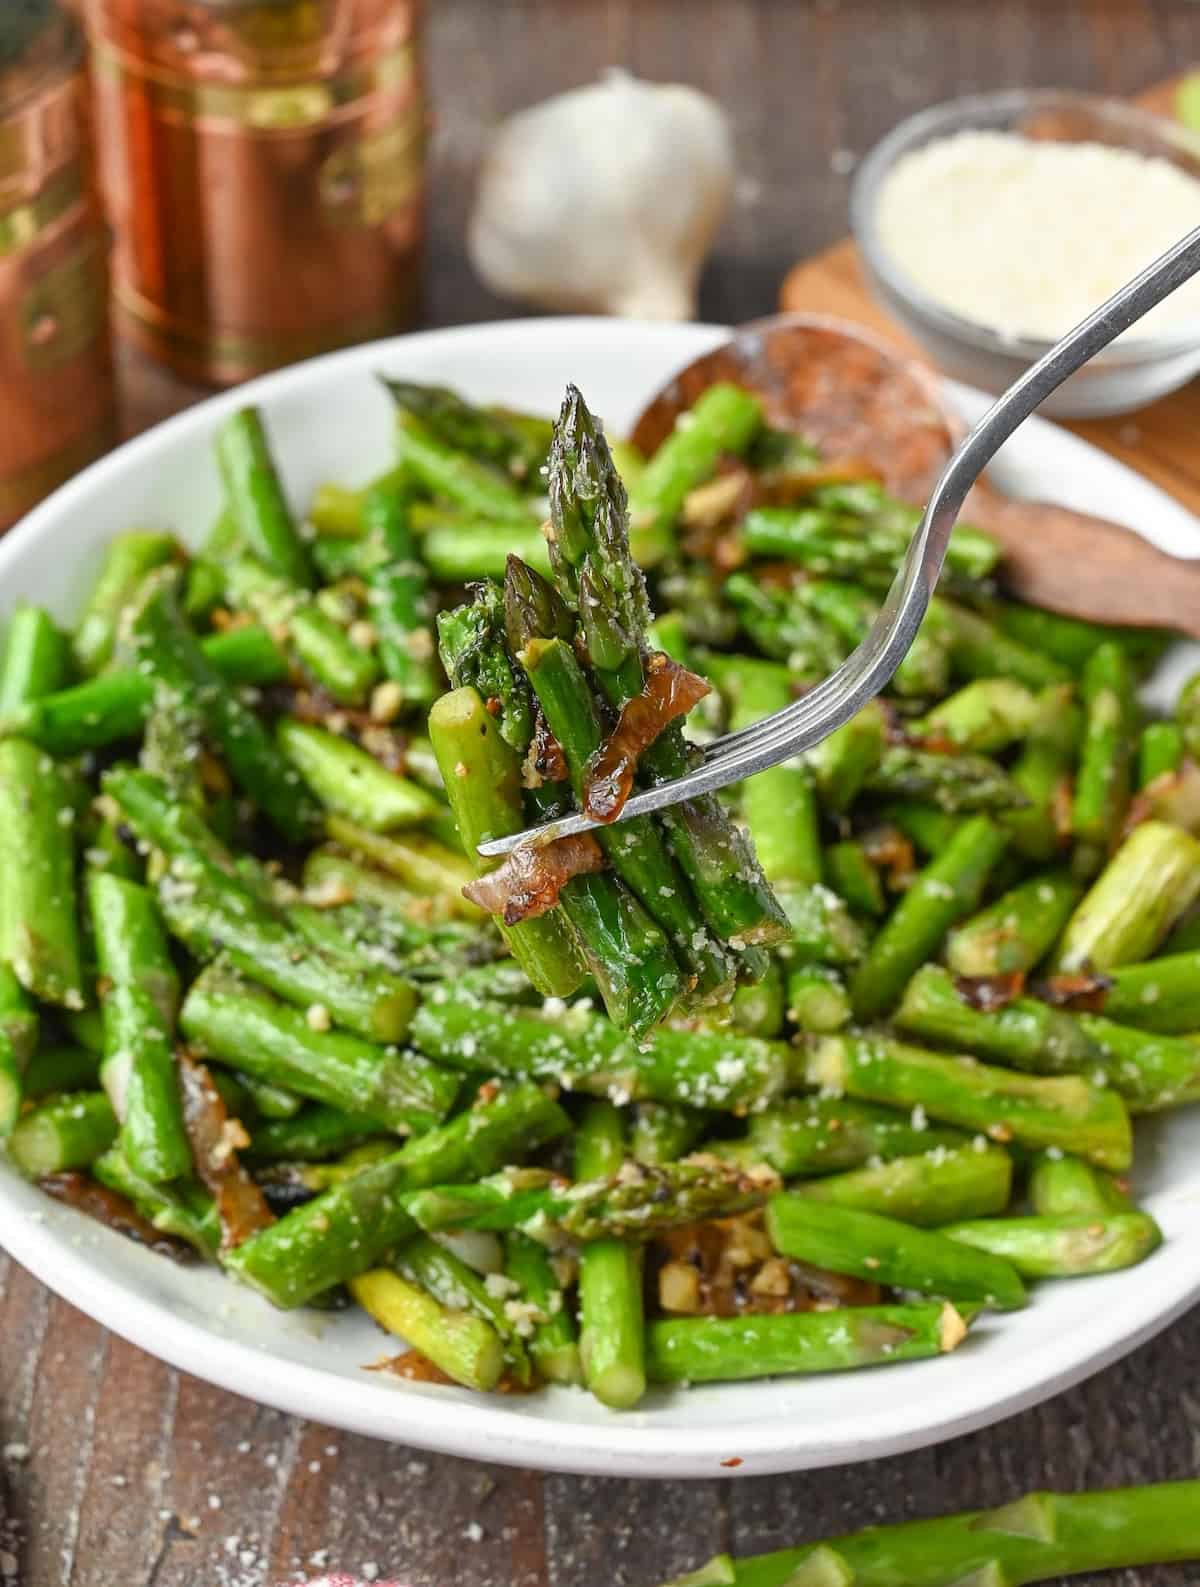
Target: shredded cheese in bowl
x=1026 y=236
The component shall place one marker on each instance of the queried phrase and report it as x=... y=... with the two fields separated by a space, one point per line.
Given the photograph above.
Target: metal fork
x=868 y=669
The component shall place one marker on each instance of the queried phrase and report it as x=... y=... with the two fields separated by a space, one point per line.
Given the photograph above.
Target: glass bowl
x=1126 y=376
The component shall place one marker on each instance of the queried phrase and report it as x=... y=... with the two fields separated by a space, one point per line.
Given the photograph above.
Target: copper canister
x=262 y=161
x=56 y=384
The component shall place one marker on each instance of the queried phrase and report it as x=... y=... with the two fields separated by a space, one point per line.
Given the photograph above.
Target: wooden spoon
x=855 y=396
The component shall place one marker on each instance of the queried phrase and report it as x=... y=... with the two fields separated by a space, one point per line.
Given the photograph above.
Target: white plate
x=330 y=420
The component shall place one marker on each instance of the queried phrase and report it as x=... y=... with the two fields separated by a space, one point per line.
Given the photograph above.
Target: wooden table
x=123 y=1473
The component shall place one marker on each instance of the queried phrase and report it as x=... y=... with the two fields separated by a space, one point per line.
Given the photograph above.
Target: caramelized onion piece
x=114 y=1212
x=214 y=1136
x=988 y=993
x=1080 y=990
x=529 y=881
x=669 y=691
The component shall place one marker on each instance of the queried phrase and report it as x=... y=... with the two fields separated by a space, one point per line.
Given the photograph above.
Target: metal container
x=262 y=162
x=57 y=407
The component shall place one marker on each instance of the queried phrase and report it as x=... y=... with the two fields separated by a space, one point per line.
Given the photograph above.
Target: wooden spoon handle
x=1088 y=567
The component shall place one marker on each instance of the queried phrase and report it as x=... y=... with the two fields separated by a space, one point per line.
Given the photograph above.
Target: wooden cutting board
x=1161 y=441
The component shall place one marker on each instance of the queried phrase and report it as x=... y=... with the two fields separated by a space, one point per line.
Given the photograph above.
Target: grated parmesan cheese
x=1028 y=236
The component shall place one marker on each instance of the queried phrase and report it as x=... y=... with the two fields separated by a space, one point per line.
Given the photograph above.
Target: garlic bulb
x=605 y=200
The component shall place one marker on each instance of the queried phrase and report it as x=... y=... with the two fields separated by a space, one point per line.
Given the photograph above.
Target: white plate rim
x=484 y=1428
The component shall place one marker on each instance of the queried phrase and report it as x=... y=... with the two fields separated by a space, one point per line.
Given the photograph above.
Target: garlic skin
x=605 y=200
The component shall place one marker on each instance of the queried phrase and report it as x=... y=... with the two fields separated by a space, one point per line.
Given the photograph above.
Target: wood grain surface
x=120 y=1472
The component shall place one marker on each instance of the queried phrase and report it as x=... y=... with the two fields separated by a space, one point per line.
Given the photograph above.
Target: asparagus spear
x=983 y=717
x=1042 y=772
x=1067 y=1246
x=226 y=1018
x=36 y=659
x=553 y=1344
x=1105 y=764
x=817 y=1000
x=1062 y=1111
x=39 y=932
x=399 y=597
x=476 y=488
x=586 y=1053
x=955 y=784
x=1160 y=751
x=517 y=443
x=463 y=1346
x=611 y=1323
x=19 y=1029
x=127 y=560
x=169 y=653
x=445 y=1276
x=255 y=498
x=946 y=890
x=1063 y=1186
x=594 y=571
x=322 y=646
x=820 y=1135
x=630 y=1202
x=1039 y=1537
x=353 y=1225
x=115 y=705
x=868 y=1246
x=68 y=1132
x=1025 y=1034
x=728 y=1349
x=927 y=1190
x=456 y=553
x=844 y=762
x=978 y=649
x=724 y=419
x=1015 y=932
x=663 y=1132
x=1147 y=885
x=352 y=783
x=785 y=628
x=1161 y=995
x=423 y=864
x=927 y=828
x=140 y=1003
x=184 y=1209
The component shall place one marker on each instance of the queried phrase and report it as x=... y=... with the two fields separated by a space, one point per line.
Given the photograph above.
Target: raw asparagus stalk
x=928 y=1190
x=39 y=931
x=553 y=1344
x=727 y=1349
x=584 y=1052
x=140 y=1001
x=115 y=705
x=1067 y=1246
x=1016 y=932
x=724 y=419
x=70 y=1131
x=871 y=1247
x=352 y=1226
x=127 y=560
x=611 y=1321
x=254 y=496
x=463 y=1346
x=36 y=659
x=821 y=1135
x=946 y=890
x=226 y=1018
x=1063 y=1186
x=1147 y=885
x=1039 y=1537
x=1033 y=1110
